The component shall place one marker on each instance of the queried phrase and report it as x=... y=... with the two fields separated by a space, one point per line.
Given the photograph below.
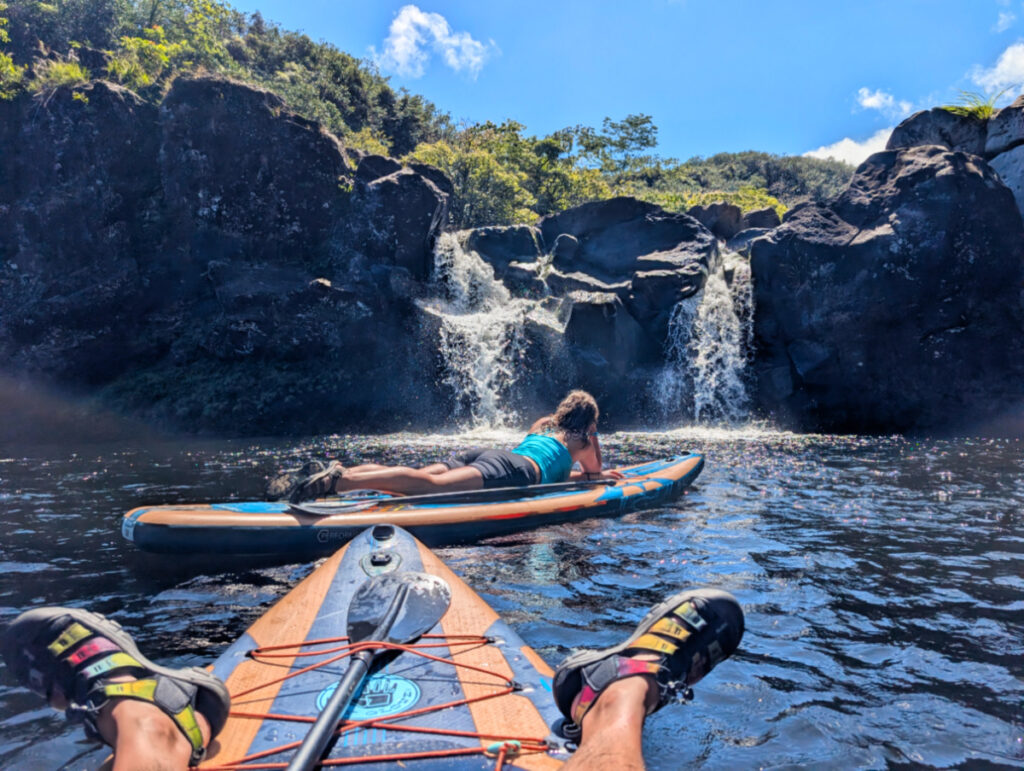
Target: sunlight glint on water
x=881 y=580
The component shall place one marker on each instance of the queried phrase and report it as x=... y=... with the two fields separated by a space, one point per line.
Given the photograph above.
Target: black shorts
x=500 y=468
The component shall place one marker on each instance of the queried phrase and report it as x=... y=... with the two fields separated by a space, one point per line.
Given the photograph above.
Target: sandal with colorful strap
x=688 y=635
x=81 y=652
x=318 y=485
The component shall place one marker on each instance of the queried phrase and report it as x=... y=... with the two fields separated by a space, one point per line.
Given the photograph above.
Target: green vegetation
x=50 y=74
x=501 y=175
x=11 y=75
x=748 y=198
x=974 y=105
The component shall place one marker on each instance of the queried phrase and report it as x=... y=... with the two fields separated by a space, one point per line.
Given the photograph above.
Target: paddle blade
x=421 y=601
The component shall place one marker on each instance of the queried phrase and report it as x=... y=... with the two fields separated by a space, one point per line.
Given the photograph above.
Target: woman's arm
x=541 y=425
x=589 y=457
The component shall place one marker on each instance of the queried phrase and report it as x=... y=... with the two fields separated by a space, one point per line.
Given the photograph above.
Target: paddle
x=392 y=607
x=349 y=503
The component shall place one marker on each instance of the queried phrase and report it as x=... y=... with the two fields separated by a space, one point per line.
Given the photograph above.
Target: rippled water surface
x=882 y=580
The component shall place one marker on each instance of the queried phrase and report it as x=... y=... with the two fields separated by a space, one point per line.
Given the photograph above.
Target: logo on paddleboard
x=380 y=696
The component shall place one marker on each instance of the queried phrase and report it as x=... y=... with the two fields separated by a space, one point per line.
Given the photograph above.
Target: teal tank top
x=549 y=454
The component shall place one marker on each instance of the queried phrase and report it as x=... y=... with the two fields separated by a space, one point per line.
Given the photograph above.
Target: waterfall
x=710 y=339
x=482 y=336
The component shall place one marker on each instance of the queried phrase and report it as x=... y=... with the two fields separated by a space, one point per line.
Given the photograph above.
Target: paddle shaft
x=529 y=491
x=308 y=755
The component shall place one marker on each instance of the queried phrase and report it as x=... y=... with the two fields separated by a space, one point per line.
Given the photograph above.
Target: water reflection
x=882 y=581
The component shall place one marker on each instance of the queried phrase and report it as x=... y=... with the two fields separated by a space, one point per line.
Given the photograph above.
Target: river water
x=881 y=580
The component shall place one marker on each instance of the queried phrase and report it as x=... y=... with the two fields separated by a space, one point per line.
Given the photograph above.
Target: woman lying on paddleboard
x=546 y=456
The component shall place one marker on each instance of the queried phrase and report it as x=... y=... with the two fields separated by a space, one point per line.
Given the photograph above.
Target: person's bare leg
x=433 y=468
x=143 y=736
x=613 y=728
x=410 y=481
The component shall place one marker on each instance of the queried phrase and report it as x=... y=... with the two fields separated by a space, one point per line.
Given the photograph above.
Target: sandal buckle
x=676 y=691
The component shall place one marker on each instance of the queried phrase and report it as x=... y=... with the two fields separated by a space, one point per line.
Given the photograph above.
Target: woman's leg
x=613 y=729
x=433 y=468
x=411 y=481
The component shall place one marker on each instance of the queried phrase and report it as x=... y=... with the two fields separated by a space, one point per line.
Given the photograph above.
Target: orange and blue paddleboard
x=321 y=527
x=469 y=694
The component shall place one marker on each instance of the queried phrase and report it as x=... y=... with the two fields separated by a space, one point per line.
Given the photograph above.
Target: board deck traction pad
x=261 y=527
x=318 y=608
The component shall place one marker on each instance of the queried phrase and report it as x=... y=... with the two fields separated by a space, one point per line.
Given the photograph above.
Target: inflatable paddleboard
x=321 y=527
x=467 y=692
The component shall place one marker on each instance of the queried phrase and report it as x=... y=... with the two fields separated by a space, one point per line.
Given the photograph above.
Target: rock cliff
x=898 y=306
x=214 y=263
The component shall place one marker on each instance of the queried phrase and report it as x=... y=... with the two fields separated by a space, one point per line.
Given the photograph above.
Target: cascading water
x=709 y=341
x=482 y=335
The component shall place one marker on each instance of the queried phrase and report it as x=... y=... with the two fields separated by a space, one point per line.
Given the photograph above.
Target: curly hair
x=575 y=414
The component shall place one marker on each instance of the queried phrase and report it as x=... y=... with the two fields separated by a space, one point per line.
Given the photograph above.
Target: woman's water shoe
x=318 y=485
x=677 y=643
x=284 y=484
x=88 y=658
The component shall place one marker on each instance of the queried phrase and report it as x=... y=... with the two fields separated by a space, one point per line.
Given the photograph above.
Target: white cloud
x=853 y=152
x=1007 y=72
x=414 y=34
x=883 y=102
x=1006 y=20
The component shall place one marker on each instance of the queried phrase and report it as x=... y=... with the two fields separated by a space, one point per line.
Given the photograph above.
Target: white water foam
x=483 y=335
x=708 y=348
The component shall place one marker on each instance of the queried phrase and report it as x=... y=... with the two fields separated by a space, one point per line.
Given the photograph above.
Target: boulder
x=562 y=284
x=740 y=243
x=565 y=248
x=897 y=307
x=1010 y=167
x=723 y=219
x=240 y=173
x=939 y=126
x=522 y=280
x=1005 y=129
x=613 y=234
x=653 y=294
x=373 y=167
x=760 y=218
x=409 y=211
x=435 y=175
x=501 y=245
x=599 y=323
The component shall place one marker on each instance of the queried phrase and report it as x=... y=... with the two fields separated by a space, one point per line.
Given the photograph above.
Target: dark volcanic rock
x=740 y=243
x=230 y=164
x=723 y=219
x=407 y=210
x=613 y=235
x=502 y=245
x=78 y=214
x=940 y=127
x=373 y=167
x=565 y=248
x=759 y=218
x=898 y=306
x=600 y=323
x=652 y=258
x=213 y=265
x=1005 y=129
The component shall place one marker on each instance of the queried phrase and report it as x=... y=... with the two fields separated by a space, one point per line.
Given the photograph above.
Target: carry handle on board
x=325 y=508
x=394 y=607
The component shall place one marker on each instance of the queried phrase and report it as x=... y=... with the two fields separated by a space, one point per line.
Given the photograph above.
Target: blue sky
x=788 y=77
